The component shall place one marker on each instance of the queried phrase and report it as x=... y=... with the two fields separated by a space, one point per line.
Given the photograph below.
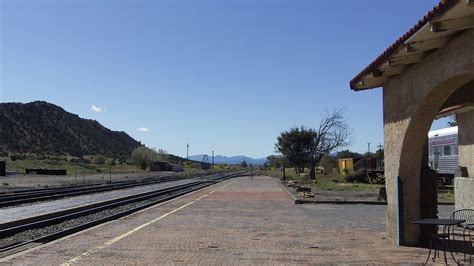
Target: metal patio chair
x=465 y=229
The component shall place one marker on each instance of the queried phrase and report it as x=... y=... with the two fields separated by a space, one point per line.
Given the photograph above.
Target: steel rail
x=61 y=190
x=162 y=195
x=12 y=200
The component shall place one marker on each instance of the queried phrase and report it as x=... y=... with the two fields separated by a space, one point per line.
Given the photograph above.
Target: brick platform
x=239 y=221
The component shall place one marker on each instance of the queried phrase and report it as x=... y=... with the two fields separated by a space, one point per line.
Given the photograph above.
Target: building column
x=466 y=141
x=403 y=187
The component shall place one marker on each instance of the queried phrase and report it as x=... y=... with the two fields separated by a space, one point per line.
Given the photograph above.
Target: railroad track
x=8 y=199
x=20 y=234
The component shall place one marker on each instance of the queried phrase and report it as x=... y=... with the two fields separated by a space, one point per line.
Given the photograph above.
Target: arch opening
x=420 y=189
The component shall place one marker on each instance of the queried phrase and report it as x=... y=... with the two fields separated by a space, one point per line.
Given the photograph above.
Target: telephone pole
x=187 y=151
x=212 y=159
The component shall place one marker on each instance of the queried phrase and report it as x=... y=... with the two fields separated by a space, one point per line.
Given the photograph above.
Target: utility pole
x=283 y=170
x=187 y=151
x=380 y=146
x=212 y=159
x=251 y=174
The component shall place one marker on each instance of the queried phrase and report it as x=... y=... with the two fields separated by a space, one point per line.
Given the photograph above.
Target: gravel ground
x=36 y=233
x=28 y=210
x=23 y=181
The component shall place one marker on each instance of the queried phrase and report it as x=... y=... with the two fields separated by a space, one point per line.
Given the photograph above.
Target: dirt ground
x=331 y=195
x=24 y=181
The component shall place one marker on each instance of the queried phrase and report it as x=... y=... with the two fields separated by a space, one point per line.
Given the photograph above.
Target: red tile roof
x=436 y=11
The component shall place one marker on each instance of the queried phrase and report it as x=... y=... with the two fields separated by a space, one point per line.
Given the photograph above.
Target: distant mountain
x=219 y=159
x=43 y=128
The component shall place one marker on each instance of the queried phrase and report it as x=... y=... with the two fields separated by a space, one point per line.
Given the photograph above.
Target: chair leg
x=444 y=250
x=429 y=252
x=436 y=250
x=470 y=247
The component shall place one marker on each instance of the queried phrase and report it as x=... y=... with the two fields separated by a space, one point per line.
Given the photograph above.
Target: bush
x=192 y=165
x=99 y=159
x=80 y=161
x=356 y=177
x=143 y=157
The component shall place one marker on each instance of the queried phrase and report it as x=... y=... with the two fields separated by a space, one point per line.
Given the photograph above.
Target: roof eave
x=437 y=11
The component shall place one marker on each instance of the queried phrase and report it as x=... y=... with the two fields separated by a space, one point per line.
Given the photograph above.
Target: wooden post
x=284 y=174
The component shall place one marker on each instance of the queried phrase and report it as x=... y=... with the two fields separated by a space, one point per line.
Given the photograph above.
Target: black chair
x=465 y=228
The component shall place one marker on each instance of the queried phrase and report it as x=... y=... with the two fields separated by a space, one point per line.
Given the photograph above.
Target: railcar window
x=447 y=150
x=455 y=150
x=436 y=151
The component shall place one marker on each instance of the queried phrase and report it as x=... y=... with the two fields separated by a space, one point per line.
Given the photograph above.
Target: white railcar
x=443 y=151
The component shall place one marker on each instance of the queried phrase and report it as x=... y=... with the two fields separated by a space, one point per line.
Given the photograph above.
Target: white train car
x=443 y=151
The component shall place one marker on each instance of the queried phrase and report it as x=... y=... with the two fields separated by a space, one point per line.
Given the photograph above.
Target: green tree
x=348 y=154
x=243 y=164
x=277 y=161
x=329 y=162
x=143 y=157
x=453 y=121
x=369 y=155
x=161 y=151
x=295 y=145
x=379 y=154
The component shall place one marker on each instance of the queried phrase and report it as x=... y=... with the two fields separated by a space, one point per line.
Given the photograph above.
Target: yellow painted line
x=138 y=228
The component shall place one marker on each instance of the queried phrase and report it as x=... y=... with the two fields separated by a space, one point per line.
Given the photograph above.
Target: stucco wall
x=394 y=134
x=411 y=101
x=463 y=192
x=466 y=141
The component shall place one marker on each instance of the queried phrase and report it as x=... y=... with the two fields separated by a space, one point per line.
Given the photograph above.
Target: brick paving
x=240 y=221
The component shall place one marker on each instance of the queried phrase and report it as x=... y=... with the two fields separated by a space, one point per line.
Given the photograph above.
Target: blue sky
x=222 y=75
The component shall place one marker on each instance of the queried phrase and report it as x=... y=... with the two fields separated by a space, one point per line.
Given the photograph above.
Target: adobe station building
x=427 y=72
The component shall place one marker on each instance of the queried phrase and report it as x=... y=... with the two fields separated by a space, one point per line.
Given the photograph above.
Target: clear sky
x=222 y=75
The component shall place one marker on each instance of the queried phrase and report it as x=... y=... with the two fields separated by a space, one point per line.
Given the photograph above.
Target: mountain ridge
x=40 y=127
x=233 y=160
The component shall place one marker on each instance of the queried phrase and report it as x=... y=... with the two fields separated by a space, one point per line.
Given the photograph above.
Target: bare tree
x=453 y=121
x=333 y=133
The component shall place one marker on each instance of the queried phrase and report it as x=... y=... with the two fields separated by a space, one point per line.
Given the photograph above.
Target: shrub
x=356 y=176
x=143 y=157
x=99 y=159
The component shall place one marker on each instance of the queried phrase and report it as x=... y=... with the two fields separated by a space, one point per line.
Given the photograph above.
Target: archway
x=418 y=199
x=422 y=73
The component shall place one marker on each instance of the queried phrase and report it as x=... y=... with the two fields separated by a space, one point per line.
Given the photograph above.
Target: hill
x=233 y=160
x=43 y=128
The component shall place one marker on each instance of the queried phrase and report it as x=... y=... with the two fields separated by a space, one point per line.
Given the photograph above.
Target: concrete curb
x=291 y=195
x=297 y=200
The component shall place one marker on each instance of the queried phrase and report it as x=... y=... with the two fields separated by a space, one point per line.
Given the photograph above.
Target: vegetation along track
x=17 y=235
x=35 y=195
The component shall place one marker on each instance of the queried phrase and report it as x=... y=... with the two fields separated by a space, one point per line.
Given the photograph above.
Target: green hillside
x=44 y=128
